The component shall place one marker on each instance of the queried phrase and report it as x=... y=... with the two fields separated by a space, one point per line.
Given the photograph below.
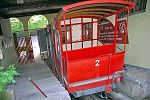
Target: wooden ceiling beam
x=87 y=13
x=80 y=15
x=96 y=5
x=95 y=9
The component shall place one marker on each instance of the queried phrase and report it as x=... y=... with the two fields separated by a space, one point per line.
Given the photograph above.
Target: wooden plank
x=97 y=6
x=93 y=9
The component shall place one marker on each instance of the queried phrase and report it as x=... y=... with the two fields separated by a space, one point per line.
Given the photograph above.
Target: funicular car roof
x=96 y=8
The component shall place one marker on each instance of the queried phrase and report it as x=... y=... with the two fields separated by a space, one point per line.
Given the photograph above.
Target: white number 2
x=97 y=62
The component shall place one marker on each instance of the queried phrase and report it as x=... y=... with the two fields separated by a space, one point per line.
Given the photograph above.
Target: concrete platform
x=44 y=78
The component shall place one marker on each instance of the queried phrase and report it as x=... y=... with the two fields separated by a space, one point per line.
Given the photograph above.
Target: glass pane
x=76 y=33
x=87 y=19
x=87 y=31
x=75 y=20
x=68 y=34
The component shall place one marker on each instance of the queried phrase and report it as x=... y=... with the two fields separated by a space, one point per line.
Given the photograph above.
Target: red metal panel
x=90 y=52
x=104 y=64
x=82 y=70
x=117 y=62
x=65 y=74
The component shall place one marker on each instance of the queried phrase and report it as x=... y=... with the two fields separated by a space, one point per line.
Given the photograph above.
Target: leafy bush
x=16 y=25
x=37 y=21
x=7 y=77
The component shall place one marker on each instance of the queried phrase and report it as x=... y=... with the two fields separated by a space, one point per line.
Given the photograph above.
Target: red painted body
x=83 y=67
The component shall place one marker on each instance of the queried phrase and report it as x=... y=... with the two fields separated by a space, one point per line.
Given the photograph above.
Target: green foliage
x=16 y=25
x=7 y=77
x=37 y=21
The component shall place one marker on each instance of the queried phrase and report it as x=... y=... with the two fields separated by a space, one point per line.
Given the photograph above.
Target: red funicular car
x=84 y=56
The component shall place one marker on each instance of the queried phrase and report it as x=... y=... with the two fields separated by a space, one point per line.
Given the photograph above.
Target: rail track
x=96 y=96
